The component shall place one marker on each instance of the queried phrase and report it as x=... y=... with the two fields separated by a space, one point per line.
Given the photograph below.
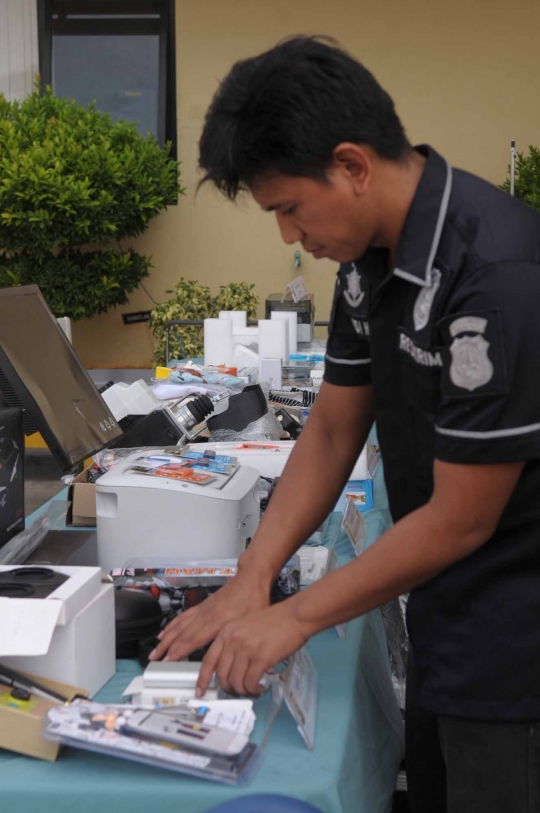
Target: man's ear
x=355 y=161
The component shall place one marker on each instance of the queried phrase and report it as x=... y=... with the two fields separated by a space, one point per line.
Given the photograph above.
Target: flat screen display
x=43 y=374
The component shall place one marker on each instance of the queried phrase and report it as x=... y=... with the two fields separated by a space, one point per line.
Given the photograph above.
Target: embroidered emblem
x=424 y=300
x=471 y=367
x=354 y=294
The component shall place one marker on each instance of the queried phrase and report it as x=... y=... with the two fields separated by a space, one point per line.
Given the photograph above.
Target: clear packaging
x=19 y=548
x=266 y=428
x=393 y=615
x=99 y=728
x=109 y=458
x=172 y=578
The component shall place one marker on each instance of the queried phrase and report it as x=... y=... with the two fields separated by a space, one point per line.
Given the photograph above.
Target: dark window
x=118 y=53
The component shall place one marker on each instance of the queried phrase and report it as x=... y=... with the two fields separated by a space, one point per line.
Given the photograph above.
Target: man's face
x=328 y=218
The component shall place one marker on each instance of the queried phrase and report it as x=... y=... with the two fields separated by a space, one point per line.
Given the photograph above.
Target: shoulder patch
x=474 y=362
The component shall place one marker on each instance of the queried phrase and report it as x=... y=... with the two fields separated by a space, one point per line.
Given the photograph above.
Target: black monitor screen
x=41 y=372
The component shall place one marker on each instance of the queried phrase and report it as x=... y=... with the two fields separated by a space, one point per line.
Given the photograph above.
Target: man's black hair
x=286 y=110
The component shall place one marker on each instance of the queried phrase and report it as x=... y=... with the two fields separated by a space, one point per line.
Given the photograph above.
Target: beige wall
x=463 y=73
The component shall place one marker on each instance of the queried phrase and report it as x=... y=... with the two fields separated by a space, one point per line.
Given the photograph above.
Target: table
x=352 y=769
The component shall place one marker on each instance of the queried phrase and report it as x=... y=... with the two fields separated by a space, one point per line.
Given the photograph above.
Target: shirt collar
x=421 y=233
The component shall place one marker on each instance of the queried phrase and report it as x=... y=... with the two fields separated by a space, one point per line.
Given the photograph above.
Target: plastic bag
x=19 y=548
x=109 y=458
x=266 y=428
x=397 y=640
x=206 y=375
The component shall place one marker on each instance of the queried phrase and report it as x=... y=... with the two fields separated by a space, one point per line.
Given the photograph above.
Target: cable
x=148 y=294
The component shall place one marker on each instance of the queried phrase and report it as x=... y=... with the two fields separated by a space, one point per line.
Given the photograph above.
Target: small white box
x=143 y=695
x=82 y=651
x=270 y=372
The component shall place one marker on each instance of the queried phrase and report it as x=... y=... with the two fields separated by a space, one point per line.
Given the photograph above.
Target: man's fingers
x=223 y=668
x=237 y=674
x=181 y=639
x=208 y=667
x=253 y=677
x=176 y=648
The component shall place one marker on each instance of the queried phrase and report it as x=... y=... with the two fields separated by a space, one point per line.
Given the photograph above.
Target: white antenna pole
x=513 y=153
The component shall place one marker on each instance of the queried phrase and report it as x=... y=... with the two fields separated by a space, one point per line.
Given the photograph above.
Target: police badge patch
x=471 y=367
x=476 y=359
x=354 y=294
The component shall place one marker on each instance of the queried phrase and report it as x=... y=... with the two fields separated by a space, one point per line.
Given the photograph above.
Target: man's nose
x=290 y=233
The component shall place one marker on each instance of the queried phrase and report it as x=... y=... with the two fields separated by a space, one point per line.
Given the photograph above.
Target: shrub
x=527 y=178
x=70 y=180
x=193 y=301
x=237 y=296
x=189 y=300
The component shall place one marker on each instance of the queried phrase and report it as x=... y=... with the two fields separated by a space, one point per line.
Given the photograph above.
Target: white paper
x=354 y=526
x=27 y=625
x=298 y=289
x=301 y=695
x=232 y=715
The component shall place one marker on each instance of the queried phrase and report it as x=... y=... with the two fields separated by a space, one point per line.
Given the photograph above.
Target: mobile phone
x=187 y=733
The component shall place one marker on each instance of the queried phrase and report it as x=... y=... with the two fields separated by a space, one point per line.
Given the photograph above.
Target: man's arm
x=462 y=515
x=465 y=508
x=314 y=477
x=312 y=481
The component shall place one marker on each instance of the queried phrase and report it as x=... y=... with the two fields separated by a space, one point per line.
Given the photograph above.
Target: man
x=434 y=333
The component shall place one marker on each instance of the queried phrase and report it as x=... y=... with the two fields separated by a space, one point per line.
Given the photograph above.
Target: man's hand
x=311 y=483
x=198 y=626
x=248 y=647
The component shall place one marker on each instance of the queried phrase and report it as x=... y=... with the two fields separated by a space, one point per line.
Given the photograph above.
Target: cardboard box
x=69 y=635
x=82 y=499
x=20 y=728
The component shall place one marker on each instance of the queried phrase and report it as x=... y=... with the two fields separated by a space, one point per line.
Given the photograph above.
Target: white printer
x=139 y=516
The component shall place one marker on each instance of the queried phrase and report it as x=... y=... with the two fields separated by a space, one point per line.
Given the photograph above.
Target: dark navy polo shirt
x=450 y=340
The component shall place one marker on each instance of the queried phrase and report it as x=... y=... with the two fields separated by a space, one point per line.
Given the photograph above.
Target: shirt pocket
x=420 y=375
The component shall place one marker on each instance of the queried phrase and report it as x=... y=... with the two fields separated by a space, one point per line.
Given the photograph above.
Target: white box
x=74 y=594
x=82 y=652
x=270 y=372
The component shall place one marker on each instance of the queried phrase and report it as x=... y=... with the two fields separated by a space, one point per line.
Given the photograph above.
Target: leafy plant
x=189 y=300
x=237 y=296
x=193 y=301
x=71 y=182
x=527 y=178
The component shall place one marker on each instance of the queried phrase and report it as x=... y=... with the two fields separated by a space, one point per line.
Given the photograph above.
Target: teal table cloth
x=352 y=769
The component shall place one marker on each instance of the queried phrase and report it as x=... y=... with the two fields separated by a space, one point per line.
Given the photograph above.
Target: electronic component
x=305 y=310
x=192 y=735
